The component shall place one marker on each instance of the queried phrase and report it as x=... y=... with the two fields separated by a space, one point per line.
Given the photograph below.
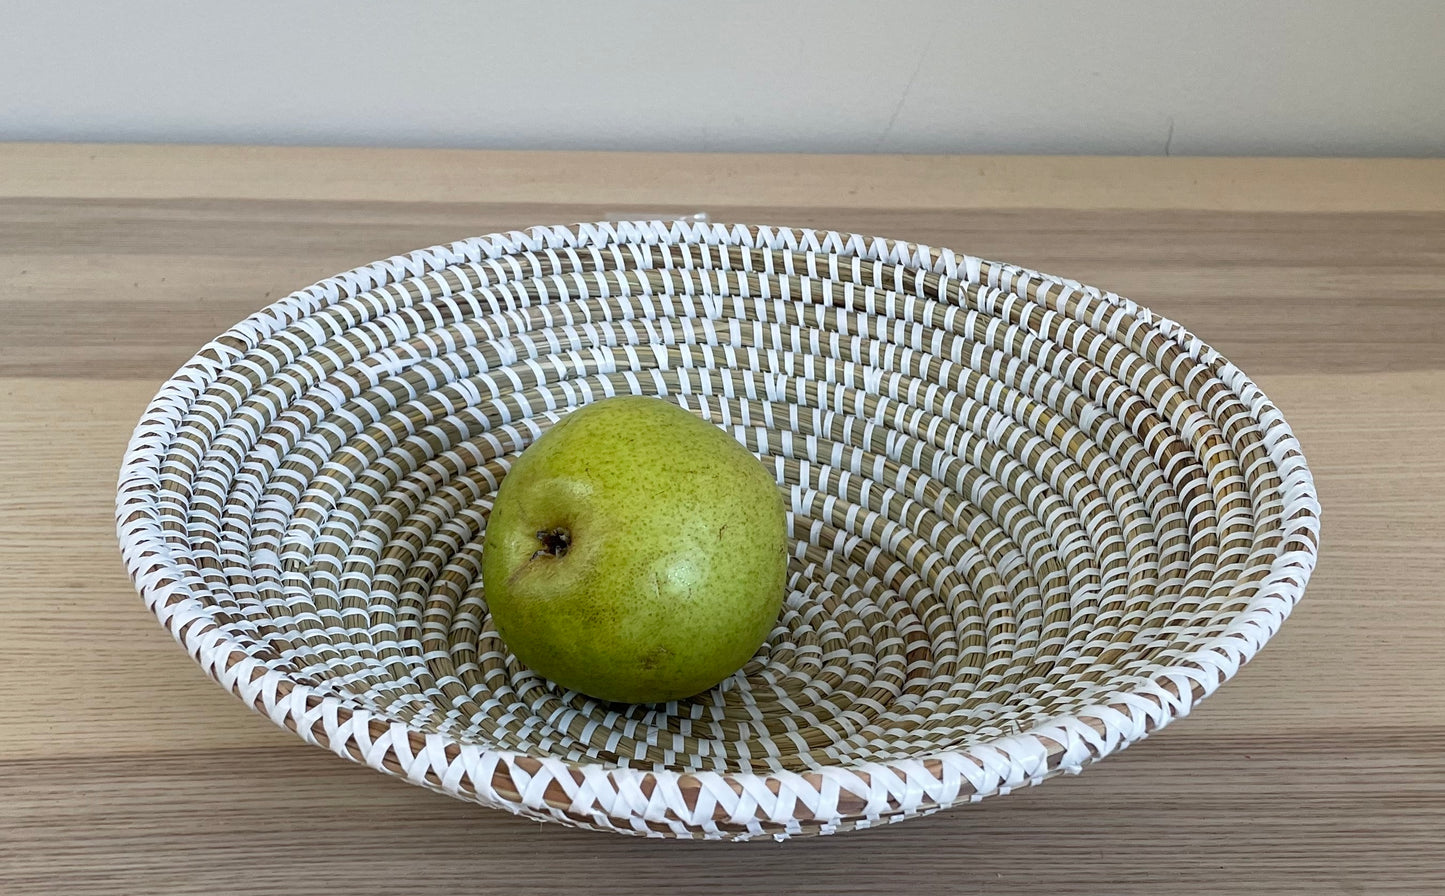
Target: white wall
x=1336 y=77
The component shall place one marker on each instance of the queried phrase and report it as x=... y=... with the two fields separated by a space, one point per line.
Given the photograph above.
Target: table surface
x=1319 y=769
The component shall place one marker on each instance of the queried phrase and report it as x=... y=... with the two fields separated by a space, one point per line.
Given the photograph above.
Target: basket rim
x=1064 y=743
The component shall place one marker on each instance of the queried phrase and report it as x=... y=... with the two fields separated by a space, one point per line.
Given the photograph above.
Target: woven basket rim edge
x=1265 y=611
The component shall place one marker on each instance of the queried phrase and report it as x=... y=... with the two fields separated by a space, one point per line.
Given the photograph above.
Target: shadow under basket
x=1031 y=522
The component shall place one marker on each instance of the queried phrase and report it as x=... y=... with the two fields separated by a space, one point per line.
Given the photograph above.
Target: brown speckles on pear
x=678 y=537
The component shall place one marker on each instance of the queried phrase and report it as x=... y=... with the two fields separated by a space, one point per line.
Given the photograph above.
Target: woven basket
x=1031 y=522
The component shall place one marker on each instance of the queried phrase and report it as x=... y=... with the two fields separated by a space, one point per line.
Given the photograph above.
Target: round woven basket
x=1030 y=522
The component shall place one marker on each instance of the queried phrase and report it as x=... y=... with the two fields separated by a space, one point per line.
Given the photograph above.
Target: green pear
x=635 y=553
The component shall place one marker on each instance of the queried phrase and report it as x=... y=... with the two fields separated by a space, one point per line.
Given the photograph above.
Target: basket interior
x=1010 y=497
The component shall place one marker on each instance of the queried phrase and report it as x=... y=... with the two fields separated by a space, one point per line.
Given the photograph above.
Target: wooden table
x=1319 y=769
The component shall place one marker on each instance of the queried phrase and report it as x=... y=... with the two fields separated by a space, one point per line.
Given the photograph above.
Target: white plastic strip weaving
x=1032 y=522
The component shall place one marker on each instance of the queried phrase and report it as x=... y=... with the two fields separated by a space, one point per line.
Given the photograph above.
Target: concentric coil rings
x=1031 y=521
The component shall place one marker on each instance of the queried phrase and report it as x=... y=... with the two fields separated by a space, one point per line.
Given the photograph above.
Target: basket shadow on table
x=1120 y=820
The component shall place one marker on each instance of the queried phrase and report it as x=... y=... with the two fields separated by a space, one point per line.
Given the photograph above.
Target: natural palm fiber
x=1032 y=522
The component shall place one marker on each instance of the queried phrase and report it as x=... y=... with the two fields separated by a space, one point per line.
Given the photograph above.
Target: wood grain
x=678 y=180
x=123 y=770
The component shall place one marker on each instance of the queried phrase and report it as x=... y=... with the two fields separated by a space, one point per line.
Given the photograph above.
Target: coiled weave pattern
x=1032 y=522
